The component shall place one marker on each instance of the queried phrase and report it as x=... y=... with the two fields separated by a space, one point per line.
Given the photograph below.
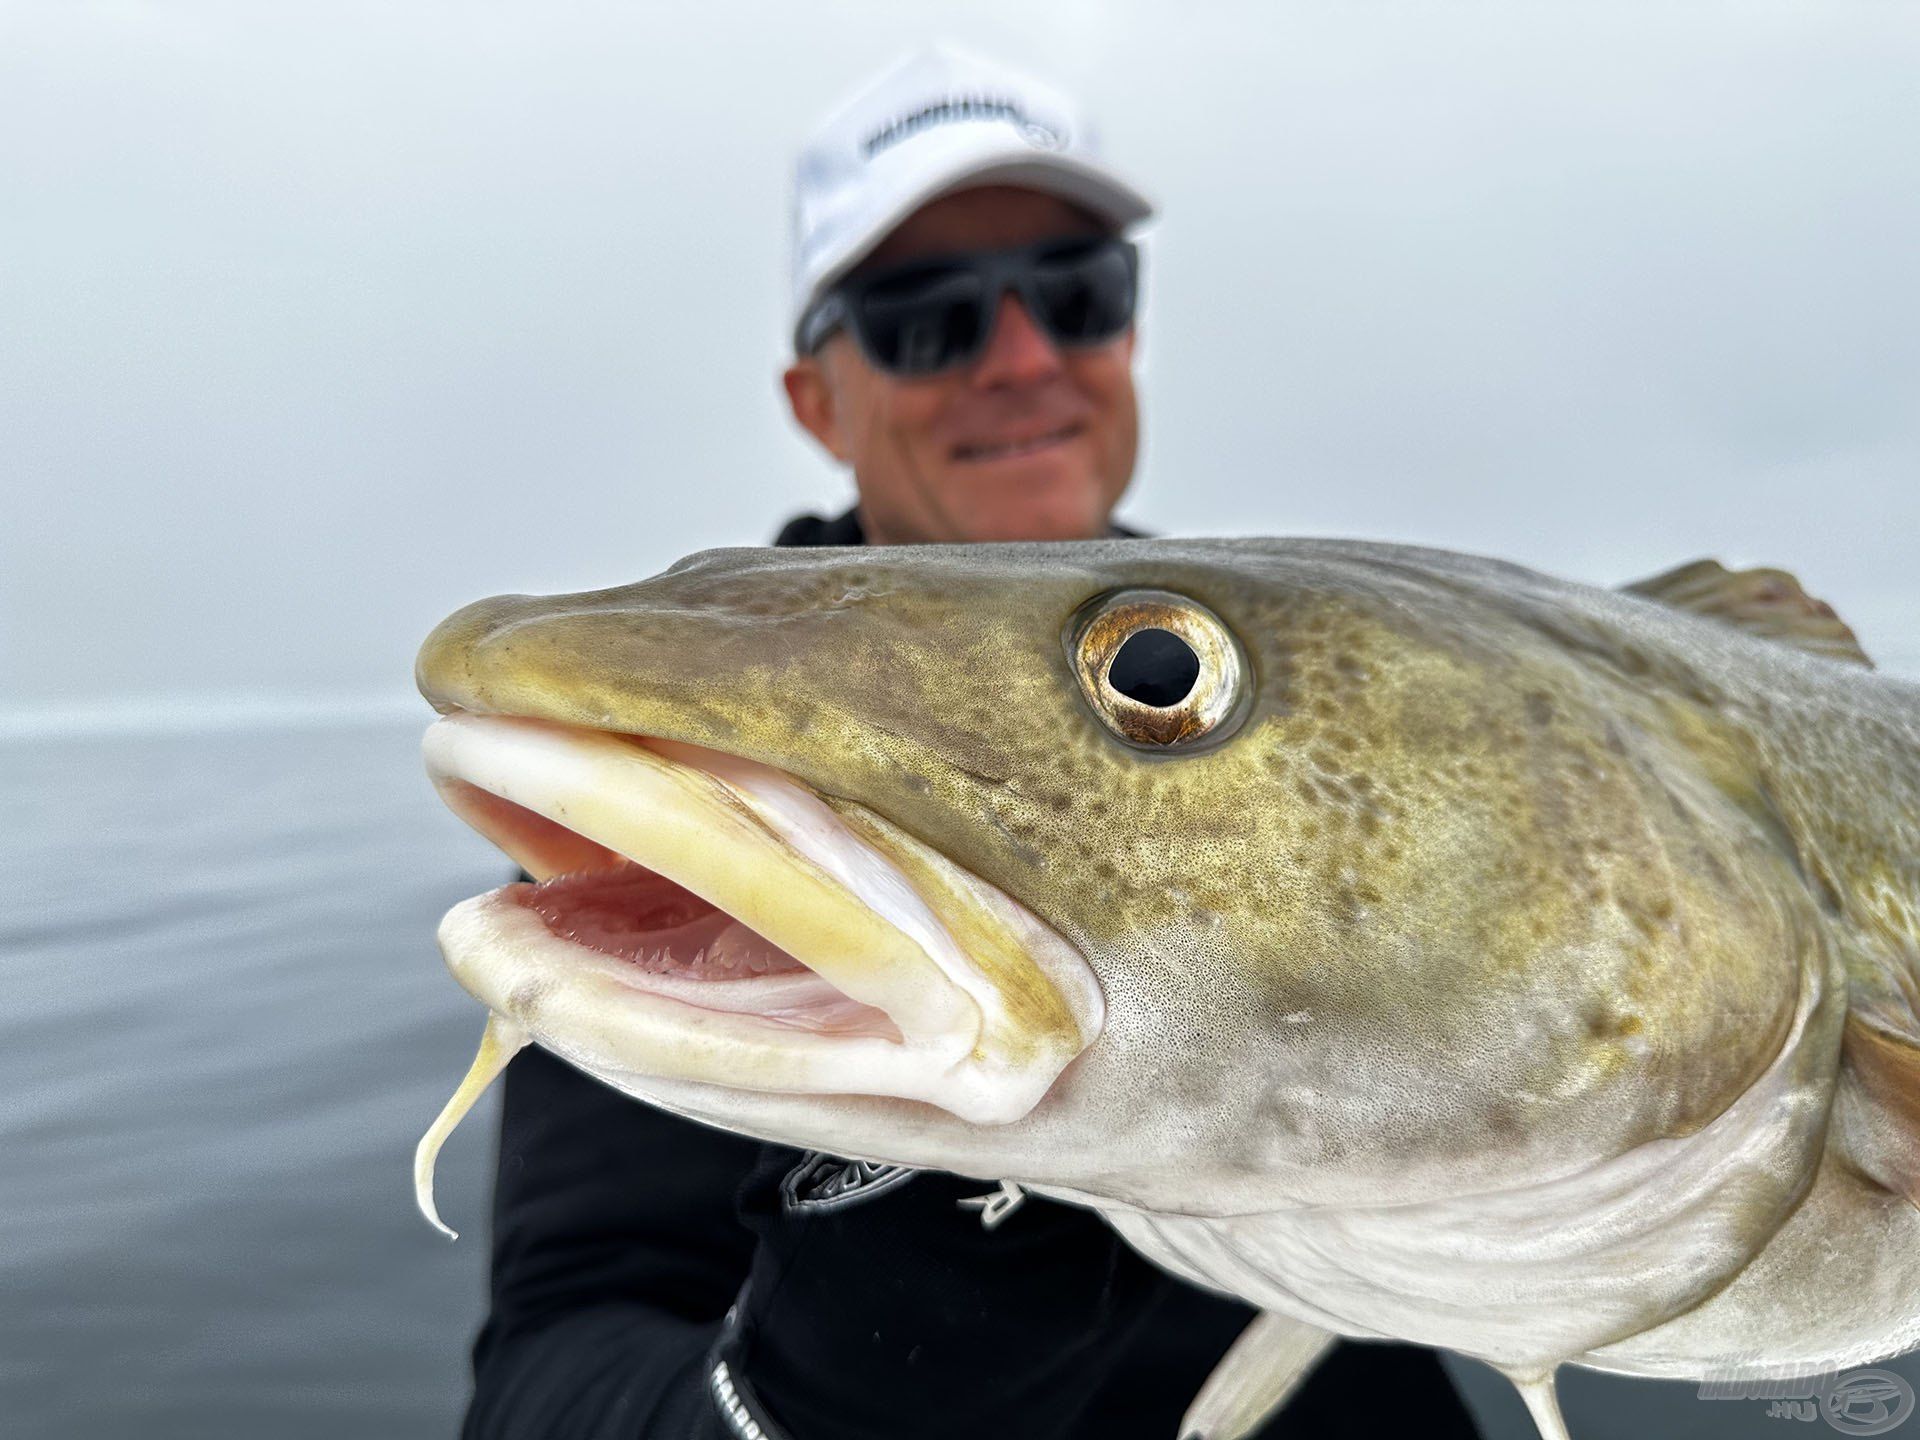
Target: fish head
x=1189 y=875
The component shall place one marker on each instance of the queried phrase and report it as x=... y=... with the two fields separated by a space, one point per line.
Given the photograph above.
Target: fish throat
x=681 y=945
x=637 y=915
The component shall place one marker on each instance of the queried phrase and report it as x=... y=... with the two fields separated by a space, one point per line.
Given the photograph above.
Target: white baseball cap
x=939 y=120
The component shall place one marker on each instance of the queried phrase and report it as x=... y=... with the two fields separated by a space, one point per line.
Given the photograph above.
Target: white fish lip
x=917 y=1018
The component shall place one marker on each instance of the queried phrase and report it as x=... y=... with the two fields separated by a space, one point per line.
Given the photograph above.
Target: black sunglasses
x=930 y=315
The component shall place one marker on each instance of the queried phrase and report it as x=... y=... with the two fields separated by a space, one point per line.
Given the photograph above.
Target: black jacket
x=650 y=1275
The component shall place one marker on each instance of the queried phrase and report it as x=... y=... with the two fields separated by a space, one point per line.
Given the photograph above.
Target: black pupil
x=1155 y=667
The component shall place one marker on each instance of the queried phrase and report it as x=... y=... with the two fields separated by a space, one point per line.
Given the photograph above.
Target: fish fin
x=499 y=1043
x=1767 y=603
x=1542 y=1403
x=1254 y=1378
x=1879 y=1110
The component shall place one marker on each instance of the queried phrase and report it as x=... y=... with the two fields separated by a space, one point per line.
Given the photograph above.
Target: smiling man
x=963 y=323
x=964 y=308
x=1028 y=429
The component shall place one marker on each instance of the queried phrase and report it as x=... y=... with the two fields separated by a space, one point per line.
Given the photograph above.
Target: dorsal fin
x=1768 y=603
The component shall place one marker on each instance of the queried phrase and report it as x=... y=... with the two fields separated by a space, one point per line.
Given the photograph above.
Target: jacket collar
x=844 y=529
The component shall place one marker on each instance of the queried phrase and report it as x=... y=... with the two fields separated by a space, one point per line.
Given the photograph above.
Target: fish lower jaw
x=782 y=1033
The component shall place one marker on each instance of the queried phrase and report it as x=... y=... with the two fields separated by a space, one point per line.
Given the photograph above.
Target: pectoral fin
x=1254 y=1378
x=1879 y=1111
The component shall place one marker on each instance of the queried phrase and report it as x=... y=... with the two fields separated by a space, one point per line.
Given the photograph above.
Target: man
x=964 y=302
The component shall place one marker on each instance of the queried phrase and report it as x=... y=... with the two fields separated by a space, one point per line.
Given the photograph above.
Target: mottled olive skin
x=1495 y=876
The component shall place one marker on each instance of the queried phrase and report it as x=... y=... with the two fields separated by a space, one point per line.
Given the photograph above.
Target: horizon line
x=219 y=711
x=186 y=713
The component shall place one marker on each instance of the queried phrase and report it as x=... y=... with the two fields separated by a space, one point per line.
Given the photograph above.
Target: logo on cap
x=1041 y=135
x=1037 y=133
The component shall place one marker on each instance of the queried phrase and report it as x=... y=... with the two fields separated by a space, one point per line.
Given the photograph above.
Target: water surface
x=226 y=1024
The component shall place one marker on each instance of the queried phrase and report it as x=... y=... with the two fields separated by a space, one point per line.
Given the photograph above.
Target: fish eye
x=1160 y=670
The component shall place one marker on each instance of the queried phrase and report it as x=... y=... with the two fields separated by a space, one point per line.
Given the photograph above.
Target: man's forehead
x=983 y=217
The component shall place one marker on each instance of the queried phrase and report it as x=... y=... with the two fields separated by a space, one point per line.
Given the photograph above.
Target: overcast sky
x=319 y=320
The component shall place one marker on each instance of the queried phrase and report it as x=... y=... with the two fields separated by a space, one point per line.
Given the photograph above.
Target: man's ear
x=810 y=396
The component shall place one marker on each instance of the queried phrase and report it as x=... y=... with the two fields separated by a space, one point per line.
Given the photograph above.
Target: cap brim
x=1083 y=182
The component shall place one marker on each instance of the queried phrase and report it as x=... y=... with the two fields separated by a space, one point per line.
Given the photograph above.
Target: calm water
x=225 y=1024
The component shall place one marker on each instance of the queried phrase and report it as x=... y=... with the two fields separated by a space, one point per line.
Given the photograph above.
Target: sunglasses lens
x=921 y=321
x=927 y=318
x=1084 y=292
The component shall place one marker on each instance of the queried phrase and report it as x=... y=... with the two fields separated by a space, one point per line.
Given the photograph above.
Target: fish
x=1409 y=944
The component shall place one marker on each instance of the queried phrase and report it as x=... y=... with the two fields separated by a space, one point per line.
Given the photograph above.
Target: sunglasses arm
x=822 y=318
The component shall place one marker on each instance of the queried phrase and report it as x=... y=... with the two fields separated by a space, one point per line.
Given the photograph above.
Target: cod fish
x=1409 y=944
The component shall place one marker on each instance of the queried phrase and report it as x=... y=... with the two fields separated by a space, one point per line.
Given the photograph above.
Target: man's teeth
x=1016 y=447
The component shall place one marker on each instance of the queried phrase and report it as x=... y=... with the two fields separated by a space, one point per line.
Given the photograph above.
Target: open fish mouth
x=701 y=916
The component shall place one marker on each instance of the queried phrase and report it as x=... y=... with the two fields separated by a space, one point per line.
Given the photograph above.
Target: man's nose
x=1018 y=351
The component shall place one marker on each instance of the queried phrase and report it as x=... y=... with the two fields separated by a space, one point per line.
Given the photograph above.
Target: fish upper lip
x=563 y=775
x=967 y=450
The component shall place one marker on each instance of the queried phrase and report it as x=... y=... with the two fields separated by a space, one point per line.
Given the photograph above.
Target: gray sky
x=319 y=320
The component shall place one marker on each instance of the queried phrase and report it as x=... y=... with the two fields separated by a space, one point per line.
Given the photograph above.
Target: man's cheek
x=879 y=433
x=917 y=431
